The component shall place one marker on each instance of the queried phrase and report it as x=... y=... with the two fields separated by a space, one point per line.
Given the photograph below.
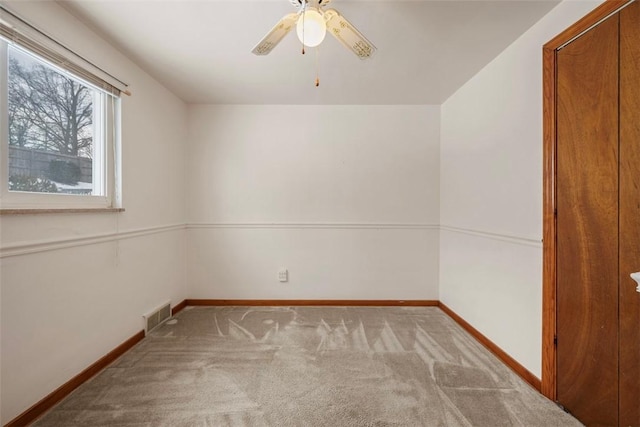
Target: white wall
x=345 y=197
x=491 y=193
x=74 y=286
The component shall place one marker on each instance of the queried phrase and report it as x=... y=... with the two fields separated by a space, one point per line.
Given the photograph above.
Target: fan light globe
x=311 y=28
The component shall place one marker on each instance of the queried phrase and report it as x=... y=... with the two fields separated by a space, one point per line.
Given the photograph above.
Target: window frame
x=106 y=161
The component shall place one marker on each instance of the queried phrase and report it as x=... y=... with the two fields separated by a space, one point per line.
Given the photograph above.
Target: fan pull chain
x=317 y=66
x=303 y=29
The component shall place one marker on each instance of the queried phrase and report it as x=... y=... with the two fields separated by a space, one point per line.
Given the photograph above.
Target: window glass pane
x=52 y=129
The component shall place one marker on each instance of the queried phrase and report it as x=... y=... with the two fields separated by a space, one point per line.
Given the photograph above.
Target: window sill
x=32 y=211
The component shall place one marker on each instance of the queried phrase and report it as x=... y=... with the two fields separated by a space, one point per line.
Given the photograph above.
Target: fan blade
x=276 y=34
x=348 y=35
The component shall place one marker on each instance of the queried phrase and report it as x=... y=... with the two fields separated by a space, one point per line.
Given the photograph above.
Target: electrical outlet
x=283 y=275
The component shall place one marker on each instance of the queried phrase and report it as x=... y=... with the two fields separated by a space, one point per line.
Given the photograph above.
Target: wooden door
x=629 y=215
x=587 y=226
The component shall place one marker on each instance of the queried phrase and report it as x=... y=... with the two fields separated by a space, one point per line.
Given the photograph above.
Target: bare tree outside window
x=51 y=125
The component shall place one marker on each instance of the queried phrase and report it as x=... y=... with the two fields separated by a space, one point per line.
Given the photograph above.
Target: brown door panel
x=587 y=224
x=629 y=215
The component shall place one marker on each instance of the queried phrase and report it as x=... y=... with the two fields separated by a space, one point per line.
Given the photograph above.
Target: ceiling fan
x=312 y=23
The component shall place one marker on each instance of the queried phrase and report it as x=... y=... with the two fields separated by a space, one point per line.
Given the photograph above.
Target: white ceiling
x=201 y=49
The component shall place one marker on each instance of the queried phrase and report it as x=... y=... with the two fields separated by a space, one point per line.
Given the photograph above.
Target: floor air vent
x=157 y=317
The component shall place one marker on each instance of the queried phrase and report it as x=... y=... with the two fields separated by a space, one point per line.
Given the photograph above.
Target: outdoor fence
x=38 y=163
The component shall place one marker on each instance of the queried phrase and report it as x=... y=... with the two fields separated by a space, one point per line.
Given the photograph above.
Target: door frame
x=549 y=177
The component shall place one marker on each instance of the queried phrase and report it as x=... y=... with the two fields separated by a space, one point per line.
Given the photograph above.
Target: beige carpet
x=307 y=366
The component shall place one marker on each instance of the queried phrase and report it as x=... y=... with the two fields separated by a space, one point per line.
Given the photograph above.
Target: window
x=57 y=131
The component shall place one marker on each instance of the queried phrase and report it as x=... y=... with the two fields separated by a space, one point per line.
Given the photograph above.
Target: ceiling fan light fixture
x=311 y=27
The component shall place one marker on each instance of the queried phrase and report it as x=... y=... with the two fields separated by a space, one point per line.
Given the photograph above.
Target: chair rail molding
x=25 y=248
x=314 y=225
x=519 y=240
